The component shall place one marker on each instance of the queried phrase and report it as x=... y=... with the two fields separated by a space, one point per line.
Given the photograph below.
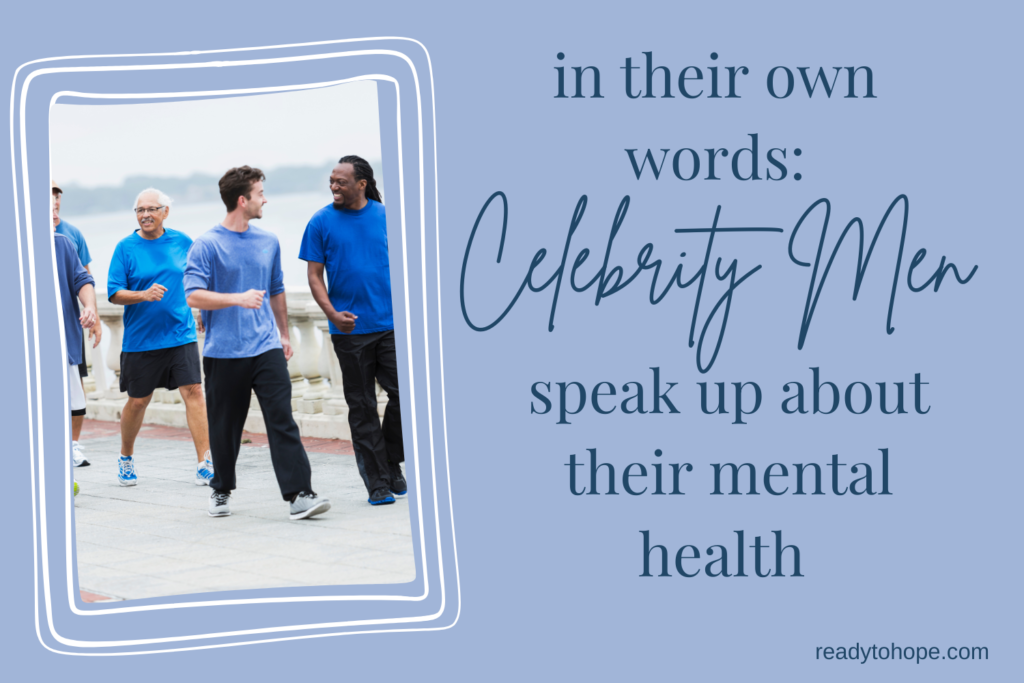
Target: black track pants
x=229 y=383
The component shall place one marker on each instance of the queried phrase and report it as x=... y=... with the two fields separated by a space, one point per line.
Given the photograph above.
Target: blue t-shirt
x=71 y=276
x=75 y=235
x=353 y=246
x=231 y=263
x=137 y=265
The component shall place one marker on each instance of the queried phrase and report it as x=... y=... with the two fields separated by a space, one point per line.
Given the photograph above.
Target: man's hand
x=344 y=321
x=286 y=346
x=91 y=322
x=95 y=332
x=200 y=327
x=252 y=299
x=154 y=293
x=88 y=317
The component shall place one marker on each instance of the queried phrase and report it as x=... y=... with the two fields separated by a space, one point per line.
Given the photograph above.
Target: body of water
x=284 y=215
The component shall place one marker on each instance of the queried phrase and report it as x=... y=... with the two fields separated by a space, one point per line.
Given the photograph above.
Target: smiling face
x=151 y=215
x=253 y=205
x=348 y=192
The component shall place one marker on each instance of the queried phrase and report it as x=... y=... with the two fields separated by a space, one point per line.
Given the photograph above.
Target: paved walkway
x=156 y=539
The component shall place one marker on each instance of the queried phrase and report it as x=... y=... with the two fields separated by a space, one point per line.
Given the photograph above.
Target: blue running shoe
x=126 y=471
x=381 y=496
x=204 y=473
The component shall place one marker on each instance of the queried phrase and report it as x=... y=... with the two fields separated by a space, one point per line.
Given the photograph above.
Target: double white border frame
x=249 y=636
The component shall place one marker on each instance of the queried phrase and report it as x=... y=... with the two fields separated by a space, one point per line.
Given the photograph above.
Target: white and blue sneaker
x=204 y=473
x=126 y=471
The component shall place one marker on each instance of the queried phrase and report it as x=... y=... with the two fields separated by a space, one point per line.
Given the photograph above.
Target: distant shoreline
x=195 y=189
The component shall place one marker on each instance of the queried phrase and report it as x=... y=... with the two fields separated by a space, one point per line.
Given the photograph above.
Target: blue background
x=549 y=582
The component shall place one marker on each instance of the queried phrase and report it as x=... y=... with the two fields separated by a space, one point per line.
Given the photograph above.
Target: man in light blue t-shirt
x=231 y=269
x=159 y=346
x=349 y=239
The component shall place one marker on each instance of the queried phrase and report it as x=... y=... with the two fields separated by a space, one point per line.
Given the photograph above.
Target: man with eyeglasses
x=159 y=348
x=62 y=227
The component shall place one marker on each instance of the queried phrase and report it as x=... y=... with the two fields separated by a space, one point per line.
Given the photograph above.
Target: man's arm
x=126 y=297
x=344 y=321
x=279 y=306
x=214 y=301
x=89 y=318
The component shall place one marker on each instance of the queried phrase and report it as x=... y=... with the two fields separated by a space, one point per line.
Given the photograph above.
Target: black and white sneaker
x=308 y=504
x=219 y=506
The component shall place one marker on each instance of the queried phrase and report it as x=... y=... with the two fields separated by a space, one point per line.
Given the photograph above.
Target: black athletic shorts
x=144 y=371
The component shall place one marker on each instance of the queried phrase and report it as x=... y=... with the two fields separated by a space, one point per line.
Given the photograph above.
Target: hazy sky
x=94 y=145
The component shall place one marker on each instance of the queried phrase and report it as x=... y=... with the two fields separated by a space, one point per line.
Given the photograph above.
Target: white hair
x=161 y=197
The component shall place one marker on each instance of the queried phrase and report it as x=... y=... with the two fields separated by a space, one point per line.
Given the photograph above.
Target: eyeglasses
x=143 y=210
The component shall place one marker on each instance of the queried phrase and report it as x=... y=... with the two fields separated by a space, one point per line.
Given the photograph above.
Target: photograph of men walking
x=349 y=240
x=218 y=346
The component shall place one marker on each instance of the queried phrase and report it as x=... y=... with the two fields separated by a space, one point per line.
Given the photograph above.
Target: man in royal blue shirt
x=159 y=347
x=62 y=227
x=349 y=239
x=230 y=270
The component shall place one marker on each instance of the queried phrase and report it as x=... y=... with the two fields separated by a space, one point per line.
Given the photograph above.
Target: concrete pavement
x=156 y=538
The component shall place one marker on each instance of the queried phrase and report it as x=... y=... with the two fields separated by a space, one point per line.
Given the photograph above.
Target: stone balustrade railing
x=317 y=400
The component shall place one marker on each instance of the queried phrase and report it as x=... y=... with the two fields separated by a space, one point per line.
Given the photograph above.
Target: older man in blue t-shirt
x=159 y=348
x=230 y=270
x=349 y=239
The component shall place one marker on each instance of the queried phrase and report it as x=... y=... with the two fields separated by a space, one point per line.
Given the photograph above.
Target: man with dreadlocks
x=349 y=239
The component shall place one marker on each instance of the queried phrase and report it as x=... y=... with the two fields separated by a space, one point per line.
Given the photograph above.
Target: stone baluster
x=334 y=398
x=298 y=381
x=97 y=374
x=307 y=356
x=111 y=315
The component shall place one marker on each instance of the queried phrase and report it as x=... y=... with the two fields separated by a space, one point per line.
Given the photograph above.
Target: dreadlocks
x=363 y=171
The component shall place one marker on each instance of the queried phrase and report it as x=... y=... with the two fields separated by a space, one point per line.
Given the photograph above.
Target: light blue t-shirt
x=137 y=265
x=76 y=237
x=231 y=263
x=353 y=246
